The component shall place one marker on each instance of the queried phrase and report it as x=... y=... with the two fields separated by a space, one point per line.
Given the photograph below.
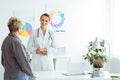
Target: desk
x=51 y=75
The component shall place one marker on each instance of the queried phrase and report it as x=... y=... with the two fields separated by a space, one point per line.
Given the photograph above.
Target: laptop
x=75 y=68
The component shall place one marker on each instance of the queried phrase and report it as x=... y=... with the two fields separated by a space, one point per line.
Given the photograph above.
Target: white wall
x=86 y=20
x=115 y=39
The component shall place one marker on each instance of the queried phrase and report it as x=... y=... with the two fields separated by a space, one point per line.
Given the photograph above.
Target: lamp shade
x=96 y=44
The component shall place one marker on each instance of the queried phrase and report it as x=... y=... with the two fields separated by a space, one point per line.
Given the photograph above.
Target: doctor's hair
x=45 y=14
x=14 y=24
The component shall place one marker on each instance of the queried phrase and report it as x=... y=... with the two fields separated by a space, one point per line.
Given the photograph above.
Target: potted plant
x=96 y=56
x=96 y=51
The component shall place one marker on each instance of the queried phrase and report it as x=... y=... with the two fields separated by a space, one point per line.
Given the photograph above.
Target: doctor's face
x=44 y=21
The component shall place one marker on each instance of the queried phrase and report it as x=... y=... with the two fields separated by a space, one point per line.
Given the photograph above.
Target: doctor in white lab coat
x=42 y=44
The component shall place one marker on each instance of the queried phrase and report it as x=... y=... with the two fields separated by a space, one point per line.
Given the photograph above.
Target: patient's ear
x=19 y=30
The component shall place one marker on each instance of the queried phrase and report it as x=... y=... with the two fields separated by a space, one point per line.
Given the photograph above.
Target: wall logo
x=26 y=29
x=57 y=18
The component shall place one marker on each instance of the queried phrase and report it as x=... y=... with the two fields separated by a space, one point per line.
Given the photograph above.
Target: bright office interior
x=84 y=21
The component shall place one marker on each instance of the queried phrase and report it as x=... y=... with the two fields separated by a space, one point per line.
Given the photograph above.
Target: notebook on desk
x=74 y=68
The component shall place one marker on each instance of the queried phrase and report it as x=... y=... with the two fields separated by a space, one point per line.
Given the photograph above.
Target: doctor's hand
x=42 y=51
x=38 y=50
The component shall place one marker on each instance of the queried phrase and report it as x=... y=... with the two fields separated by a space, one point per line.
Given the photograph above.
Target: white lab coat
x=40 y=62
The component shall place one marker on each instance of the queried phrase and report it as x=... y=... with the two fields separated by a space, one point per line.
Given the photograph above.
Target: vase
x=97 y=72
